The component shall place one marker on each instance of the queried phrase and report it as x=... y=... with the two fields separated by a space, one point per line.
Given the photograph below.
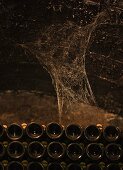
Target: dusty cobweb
x=61 y=49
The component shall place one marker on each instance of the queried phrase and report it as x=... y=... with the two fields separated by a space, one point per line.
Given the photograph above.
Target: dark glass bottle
x=15 y=149
x=93 y=166
x=75 y=151
x=36 y=150
x=113 y=151
x=92 y=133
x=55 y=166
x=95 y=151
x=34 y=130
x=74 y=166
x=73 y=132
x=14 y=165
x=111 y=133
x=35 y=166
x=55 y=150
x=2 y=150
x=54 y=130
x=113 y=166
x=14 y=131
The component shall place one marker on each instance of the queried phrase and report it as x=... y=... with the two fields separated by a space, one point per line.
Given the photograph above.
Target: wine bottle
x=14 y=131
x=55 y=166
x=113 y=151
x=15 y=149
x=95 y=151
x=36 y=150
x=93 y=166
x=54 y=130
x=73 y=132
x=55 y=150
x=75 y=151
x=2 y=150
x=14 y=165
x=111 y=133
x=1 y=166
x=35 y=166
x=113 y=166
x=92 y=133
x=34 y=130
x=74 y=166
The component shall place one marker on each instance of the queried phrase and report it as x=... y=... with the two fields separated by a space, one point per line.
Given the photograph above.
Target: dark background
x=20 y=22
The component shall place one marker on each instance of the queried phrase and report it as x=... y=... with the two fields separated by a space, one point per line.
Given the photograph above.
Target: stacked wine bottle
x=55 y=147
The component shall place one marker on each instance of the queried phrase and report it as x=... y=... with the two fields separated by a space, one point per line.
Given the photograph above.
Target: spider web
x=61 y=49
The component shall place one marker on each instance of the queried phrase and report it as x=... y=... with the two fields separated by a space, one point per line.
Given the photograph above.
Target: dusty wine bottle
x=113 y=151
x=92 y=133
x=34 y=130
x=55 y=150
x=95 y=151
x=55 y=166
x=54 y=130
x=15 y=149
x=36 y=150
x=14 y=165
x=2 y=150
x=73 y=132
x=113 y=166
x=111 y=133
x=93 y=166
x=35 y=166
x=75 y=151
x=14 y=131
x=74 y=166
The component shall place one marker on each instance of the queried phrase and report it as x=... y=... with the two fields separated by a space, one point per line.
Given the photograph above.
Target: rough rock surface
x=20 y=22
x=24 y=107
